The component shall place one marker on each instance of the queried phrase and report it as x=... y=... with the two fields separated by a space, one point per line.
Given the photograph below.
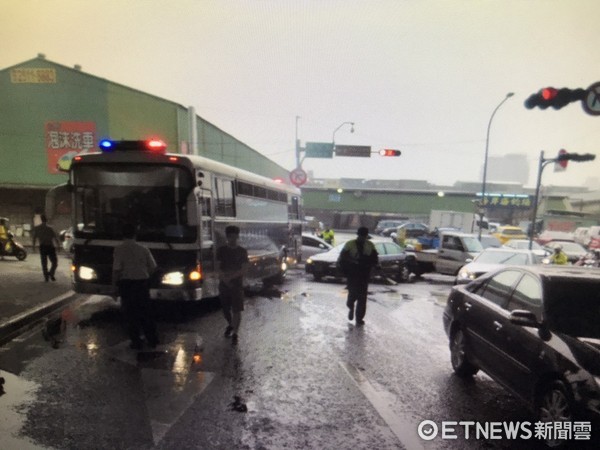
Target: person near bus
x=133 y=265
x=559 y=257
x=356 y=260
x=47 y=238
x=233 y=264
x=3 y=236
x=329 y=236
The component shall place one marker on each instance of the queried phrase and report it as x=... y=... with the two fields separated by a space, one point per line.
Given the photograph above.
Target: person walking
x=233 y=264
x=356 y=260
x=133 y=265
x=46 y=236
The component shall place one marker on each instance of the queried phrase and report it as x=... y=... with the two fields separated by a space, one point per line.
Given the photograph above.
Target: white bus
x=180 y=205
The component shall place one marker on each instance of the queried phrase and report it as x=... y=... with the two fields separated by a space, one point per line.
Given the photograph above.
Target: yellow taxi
x=507 y=232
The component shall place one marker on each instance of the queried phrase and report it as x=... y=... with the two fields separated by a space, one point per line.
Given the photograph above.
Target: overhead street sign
x=319 y=150
x=298 y=177
x=353 y=150
x=591 y=101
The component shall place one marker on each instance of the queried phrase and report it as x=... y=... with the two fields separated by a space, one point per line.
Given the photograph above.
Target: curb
x=12 y=327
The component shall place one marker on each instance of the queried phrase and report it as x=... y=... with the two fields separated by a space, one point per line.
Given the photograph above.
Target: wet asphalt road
x=301 y=377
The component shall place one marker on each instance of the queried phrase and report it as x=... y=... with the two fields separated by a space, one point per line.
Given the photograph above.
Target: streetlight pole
x=485 y=161
x=335 y=131
x=297 y=144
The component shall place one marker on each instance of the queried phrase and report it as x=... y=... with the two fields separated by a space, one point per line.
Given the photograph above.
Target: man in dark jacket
x=46 y=236
x=356 y=260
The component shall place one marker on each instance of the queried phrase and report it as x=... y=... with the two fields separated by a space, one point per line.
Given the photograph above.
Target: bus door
x=208 y=250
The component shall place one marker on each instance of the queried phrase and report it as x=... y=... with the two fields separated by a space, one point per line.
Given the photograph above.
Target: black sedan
x=536 y=331
x=393 y=261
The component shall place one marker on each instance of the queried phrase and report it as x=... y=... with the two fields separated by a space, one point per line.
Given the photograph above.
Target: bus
x=180 y=205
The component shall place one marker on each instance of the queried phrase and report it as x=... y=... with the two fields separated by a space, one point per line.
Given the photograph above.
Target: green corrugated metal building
x=49 y=112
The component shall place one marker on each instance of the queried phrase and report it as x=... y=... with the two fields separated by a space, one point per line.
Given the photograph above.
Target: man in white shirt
x=133 y=266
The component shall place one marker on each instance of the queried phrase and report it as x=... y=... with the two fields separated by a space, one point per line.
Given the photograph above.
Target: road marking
x=404 y=429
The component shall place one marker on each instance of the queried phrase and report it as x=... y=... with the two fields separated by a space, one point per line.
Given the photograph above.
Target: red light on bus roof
x=173 y=158
x=77 y=158
x=156 y=145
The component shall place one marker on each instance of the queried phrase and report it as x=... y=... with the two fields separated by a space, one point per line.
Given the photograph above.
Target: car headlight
x=466 y=275
x=309 y=261
x=87 y=273
x=173 y=278
x=283 y=266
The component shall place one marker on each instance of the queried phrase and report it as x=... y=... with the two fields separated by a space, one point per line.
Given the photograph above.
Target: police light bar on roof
x=151 y=145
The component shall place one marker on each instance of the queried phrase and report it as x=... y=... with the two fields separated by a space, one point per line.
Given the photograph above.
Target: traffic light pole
x=543 y=163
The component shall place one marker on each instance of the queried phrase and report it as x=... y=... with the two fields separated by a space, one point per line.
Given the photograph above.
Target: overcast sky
x=420 y=76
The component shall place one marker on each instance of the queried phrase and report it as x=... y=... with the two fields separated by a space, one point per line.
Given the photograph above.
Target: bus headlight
x=283 y=266
x=173 y=278
x=87 y=273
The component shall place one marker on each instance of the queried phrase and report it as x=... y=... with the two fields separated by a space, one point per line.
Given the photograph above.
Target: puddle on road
x=16 y=395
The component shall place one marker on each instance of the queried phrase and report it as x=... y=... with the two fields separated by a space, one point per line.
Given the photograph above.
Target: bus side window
x=225 y=205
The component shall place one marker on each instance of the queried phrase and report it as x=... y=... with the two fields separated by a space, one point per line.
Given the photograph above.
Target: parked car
x=506 y=232
x=395 y=263
x=311 y=245
x=410 y=230
x=535 y=331
x=573 y=250
x=487 y=240
x=581 y=235
x=494 y=258
x=387 y=227
x=547 y=236
x=523 y=244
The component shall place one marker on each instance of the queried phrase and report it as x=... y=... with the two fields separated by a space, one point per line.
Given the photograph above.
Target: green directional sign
x=319 y=150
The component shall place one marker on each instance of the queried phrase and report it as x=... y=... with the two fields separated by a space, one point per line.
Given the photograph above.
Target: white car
x=311 y=245
x=494 y=258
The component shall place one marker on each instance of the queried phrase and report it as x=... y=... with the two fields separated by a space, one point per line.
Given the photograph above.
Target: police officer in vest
x=356 y=260
x=328 y=235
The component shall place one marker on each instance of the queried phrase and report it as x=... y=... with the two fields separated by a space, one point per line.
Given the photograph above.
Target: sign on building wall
x=64 y=140
x=33 y=75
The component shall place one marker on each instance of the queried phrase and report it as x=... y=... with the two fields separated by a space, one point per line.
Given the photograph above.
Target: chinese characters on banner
x=29 y=75
x=507 y=201
x=64 y=140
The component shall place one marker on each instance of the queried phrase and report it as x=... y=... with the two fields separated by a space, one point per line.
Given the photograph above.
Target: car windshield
x=572 y=247
x=512 y=232
x=573 y=307
x=472 y=244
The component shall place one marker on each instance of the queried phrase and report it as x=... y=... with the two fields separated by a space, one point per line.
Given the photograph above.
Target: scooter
x=13 y=248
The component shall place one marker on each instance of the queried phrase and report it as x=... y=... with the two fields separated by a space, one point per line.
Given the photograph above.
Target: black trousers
x=48 y=252
x=357 y=294
x=135 y=301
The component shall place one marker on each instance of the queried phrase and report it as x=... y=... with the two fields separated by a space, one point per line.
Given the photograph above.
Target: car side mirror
x=524 y=318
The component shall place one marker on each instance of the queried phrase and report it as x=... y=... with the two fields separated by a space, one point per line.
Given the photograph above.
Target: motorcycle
x=13 y=248
x=591 y=259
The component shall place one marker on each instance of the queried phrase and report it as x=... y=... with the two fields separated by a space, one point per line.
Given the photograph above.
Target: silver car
x=494 y=258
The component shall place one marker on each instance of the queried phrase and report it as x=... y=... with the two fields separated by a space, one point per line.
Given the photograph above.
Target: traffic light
x=557 y=98
x=389 y=152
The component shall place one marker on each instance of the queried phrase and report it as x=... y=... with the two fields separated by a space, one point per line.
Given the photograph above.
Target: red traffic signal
x=563 y=158
x=389 y=152
x=549 y=93
x=557 y=98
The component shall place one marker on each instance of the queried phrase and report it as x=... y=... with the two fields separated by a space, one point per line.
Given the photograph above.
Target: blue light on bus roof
x=106 y=145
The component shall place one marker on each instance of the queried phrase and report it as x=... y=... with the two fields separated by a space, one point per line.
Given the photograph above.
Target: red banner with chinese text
x=64 y=140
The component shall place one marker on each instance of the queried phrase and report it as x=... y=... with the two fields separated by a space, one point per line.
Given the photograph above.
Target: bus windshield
x=152 y=197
